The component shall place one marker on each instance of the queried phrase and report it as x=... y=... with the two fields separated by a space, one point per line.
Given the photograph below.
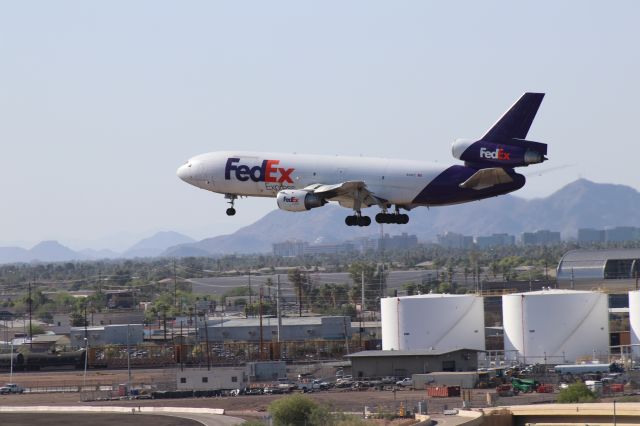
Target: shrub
x=576 y=392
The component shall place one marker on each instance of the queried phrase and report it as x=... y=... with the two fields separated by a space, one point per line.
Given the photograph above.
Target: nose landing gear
x=232 y=199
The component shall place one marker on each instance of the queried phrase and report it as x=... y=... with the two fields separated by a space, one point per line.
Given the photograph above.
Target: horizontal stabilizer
x=515 y=123
x=486 y=178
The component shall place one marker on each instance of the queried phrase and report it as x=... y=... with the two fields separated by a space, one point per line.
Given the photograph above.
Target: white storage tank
x=555 y=326
x=438 y=321
x=634 y=321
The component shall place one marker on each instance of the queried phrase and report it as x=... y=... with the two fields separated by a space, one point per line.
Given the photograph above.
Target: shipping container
x=443 y=391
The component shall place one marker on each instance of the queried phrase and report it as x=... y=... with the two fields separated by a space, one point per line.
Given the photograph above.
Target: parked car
x=11 y=388
x=406 y=382
x=347 y=378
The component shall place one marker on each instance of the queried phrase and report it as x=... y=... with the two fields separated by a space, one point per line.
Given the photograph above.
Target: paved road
x=27 y=418
x=210 y=419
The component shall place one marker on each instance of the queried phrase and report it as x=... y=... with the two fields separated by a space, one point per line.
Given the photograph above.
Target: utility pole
x=362 y=308
x=128 y=363
x=260 y=313
x=30 y=314
x=250 y=299
x=164 y=322
x=206 y=333
x=175 y=286
x=278 y=308
x=300 y=299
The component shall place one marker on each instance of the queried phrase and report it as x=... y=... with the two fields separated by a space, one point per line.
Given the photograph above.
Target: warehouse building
x=612 y=269
x=406 y=363
x=292 y=329
x=120 y=334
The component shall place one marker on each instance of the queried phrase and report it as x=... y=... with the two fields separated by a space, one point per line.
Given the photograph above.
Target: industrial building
x=405 y=363
x=555 y=326
x=219 y=378
x=116 y=334
x=292 y=329
x=612 y=269
x=433 y=321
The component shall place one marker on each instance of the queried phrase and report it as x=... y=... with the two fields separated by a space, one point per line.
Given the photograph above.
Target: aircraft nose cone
x=184 y=172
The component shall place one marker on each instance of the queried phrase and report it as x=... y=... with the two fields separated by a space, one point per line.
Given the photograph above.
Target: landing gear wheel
x=231 y=211
x=364 y=221
x=404 y=219
x=381 y=218
x=350 y=220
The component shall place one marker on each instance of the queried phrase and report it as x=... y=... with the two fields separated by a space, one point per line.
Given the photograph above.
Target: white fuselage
x=263 y=174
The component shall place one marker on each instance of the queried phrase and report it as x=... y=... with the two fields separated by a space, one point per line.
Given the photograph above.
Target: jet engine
x=512 y=153
x=296 y=200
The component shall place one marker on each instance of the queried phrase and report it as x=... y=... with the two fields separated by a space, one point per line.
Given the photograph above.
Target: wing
x=350 y=193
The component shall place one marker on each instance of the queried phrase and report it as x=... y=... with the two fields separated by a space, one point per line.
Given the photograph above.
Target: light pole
x=11 y=368
x=86 y=356
x=128 y=363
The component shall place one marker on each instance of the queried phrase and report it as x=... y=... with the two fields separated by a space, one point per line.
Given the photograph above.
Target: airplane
x=304 y=182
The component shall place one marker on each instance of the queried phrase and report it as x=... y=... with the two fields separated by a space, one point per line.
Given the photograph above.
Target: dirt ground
x=336 y=399
x=14 y=419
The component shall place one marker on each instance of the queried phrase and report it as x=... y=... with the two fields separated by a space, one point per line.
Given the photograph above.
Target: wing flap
x=349 y=190
x=486 y=178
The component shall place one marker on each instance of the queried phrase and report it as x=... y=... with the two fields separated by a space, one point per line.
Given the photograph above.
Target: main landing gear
x=357 y=220
x=232 y=199
x=397 y=218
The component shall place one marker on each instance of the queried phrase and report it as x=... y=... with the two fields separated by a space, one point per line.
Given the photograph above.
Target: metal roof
x=268 y=321
x=589 y=265
x=416 y=352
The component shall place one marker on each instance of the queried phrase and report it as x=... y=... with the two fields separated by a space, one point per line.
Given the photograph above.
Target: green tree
x=292 y=410
x=576 y=392
x=300 y=283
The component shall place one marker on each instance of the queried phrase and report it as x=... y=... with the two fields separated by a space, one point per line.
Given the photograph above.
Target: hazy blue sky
x=100 y=102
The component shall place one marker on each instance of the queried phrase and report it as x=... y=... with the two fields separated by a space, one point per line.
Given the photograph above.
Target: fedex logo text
x=498 y=154
x=291 y=199
x=266 y=172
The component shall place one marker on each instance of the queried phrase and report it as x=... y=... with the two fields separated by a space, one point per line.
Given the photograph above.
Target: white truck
x=11 y=388
x=313 y=385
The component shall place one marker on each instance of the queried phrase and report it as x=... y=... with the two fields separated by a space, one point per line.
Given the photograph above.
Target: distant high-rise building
x=289 y=248
x=622 y=233
x=540 y=238
x=589 y=235
x=495 y=240
x=398 y=242
x=453 y=240
x=329 y=248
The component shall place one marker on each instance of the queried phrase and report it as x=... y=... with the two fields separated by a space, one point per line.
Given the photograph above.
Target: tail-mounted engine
x=515 y=153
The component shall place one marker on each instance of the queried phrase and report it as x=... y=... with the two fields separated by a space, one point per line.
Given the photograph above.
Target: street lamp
x=86 y=356
x=11 y=369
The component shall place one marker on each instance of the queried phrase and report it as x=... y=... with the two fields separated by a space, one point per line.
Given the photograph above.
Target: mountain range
x=53 y=251
x=580 y=204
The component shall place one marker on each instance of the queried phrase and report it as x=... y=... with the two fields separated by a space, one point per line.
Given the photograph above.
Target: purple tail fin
x=515 y=123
